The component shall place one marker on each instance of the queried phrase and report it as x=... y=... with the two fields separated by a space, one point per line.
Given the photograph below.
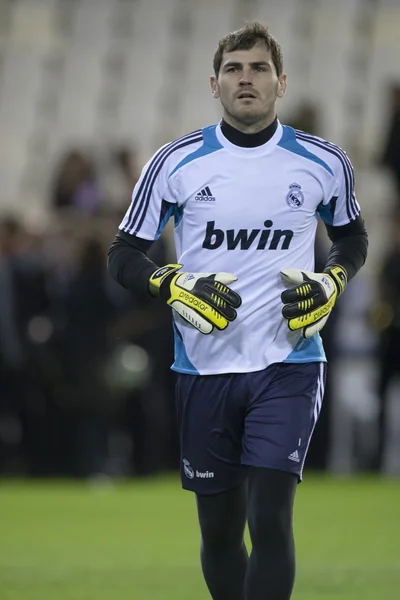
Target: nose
x=246 y=78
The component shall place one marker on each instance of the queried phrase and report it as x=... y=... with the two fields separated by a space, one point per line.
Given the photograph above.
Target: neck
x=248 y=139
x=252 y=127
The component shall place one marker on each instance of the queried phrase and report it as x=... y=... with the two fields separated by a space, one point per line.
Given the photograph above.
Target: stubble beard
x=255 y=120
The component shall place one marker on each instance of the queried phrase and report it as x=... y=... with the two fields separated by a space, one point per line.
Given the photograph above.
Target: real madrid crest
x=295 y=196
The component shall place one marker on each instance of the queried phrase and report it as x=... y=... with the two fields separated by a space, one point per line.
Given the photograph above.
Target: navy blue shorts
x=263 y=419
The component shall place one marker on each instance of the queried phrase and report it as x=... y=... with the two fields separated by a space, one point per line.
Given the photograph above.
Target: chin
x=249 y=118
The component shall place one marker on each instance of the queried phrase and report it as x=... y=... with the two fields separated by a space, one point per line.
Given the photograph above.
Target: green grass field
x=139 y=541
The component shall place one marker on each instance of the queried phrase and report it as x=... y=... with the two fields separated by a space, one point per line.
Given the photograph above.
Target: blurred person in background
x=86 y=344
x=25 y=329
x=118 y=174
x=387 y=322
x=75 y=186
x=306 y=117
x=126 y=159
x=391 y=151
x=150 y=410
x=249 y=360
x=98 y=319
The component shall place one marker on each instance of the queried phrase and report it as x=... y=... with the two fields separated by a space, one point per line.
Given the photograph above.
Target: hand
x=202 y=299
x=310 y=298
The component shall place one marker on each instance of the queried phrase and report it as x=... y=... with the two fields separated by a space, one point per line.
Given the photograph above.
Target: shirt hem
x=246 y=370
x=305 y=359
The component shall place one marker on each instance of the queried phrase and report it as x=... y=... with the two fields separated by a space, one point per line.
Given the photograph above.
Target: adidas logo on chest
x=204 y=195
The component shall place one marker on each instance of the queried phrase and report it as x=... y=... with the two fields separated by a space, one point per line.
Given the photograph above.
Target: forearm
x=129 y=264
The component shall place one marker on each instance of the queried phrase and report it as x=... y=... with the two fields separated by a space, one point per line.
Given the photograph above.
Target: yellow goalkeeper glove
x=202 y=299
x=310 y=298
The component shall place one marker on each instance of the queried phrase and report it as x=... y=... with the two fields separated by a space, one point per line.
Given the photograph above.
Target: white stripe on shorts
x=317 y=408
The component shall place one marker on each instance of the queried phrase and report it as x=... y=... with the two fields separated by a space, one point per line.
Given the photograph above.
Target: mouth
x=246 y=96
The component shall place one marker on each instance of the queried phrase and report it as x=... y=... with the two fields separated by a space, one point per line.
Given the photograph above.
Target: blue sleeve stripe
x=182 y=363
x=351 y=205
x=210 y=145
x=289 y=142
x=141 y=201
x=167 y=210
x=327 y=211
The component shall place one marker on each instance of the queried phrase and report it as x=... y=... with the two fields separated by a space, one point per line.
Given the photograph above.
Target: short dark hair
x=245 y=39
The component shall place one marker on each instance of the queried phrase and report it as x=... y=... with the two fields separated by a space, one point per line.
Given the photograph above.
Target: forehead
x=259 y=52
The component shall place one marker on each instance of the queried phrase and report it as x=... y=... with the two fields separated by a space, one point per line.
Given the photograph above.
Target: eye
x=261 y=68
x=232 y=69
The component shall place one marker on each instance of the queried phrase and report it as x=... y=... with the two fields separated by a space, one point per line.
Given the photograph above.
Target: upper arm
x=356 y=227
x=152 y=202
x=155 y=197
x=340 y=205
x=133 y=240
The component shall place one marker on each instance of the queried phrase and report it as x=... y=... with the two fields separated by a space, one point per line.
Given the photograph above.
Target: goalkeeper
x=247 y=306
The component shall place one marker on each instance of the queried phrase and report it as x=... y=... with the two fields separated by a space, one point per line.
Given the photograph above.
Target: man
x=391 y=151
x=387 y=322
x=250 y=365
x=24 y=299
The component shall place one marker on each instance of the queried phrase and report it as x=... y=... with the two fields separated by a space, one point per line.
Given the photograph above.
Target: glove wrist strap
x=339 y=276
x=159 y=276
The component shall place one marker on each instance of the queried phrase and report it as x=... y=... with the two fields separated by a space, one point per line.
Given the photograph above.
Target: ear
x=281 y=85
x=214 y=86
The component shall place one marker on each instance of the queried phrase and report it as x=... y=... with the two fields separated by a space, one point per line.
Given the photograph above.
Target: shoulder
x=193 y=147
x=171 y=153
x=184 y=141
x=331 y=153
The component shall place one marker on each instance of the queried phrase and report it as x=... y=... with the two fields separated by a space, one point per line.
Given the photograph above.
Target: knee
x=220 y=534
x=270 y=525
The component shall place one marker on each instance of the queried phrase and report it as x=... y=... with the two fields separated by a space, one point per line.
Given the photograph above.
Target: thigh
x=210 y=412
x=282 y=412
x=271 y=496
x=222 y=517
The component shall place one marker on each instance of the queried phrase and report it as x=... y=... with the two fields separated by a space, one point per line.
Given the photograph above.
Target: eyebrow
x=258 y=63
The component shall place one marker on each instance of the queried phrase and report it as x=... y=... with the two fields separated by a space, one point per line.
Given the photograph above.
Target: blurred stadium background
x=90 y=505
